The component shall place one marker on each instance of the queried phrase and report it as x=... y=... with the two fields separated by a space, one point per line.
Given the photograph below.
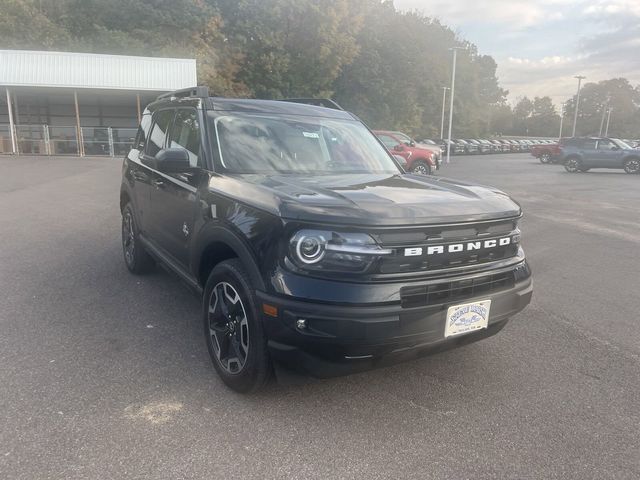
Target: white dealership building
x=54 y=103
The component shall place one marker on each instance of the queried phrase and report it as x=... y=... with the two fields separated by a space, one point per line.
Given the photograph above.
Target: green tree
x=595 y=100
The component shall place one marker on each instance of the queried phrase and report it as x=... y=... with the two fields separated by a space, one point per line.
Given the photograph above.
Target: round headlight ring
x=310 y=249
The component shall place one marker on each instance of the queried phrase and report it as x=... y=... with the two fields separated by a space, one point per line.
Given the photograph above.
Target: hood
x=431 y=148
x=368 y=199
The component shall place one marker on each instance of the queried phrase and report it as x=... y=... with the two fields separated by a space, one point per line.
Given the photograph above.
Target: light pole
x=562 y=107
x=575 y=114
x=444 y=99
x=605 y=109
x=606 y=130
x=453 y=89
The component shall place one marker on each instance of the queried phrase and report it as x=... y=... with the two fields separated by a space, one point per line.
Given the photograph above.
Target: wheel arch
x=217 y=244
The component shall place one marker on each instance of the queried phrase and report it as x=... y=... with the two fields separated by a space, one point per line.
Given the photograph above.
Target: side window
x=156 y=139
x=143 y=132
x=588 y=145
x=389 y=142
x=605 y=145
x=186 y=134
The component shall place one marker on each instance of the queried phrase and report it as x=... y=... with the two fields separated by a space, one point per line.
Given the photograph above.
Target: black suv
x=310 y=246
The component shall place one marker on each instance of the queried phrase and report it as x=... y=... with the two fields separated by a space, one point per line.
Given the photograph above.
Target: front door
x=174 y=196
x=609 y=154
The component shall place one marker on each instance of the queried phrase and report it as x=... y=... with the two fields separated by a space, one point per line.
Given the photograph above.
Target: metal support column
x=78 y=127
x=12 y=127
x=138 y=105
x=47 y=139
x=111 y=149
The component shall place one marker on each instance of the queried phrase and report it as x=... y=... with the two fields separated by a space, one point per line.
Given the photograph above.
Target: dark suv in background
x=310 y=247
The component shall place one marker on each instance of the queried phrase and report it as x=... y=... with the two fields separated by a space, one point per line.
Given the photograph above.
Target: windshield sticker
x=311 y=134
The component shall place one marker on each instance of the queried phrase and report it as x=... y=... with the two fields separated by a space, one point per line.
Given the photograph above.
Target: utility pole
x=575 y=114
x=444 y=99
x=605 y=109
x=606 y=132
x=453 y=89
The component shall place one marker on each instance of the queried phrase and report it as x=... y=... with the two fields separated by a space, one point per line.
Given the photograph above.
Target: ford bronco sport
x=310 y=247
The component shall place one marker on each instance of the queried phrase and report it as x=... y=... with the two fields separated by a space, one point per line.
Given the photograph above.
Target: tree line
x=613 y=101
x=385 y=65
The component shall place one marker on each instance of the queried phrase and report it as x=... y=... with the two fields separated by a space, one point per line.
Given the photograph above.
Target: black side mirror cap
x=173 y=160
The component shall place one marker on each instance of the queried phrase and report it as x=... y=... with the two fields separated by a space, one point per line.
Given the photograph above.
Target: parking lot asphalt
x=106 y=375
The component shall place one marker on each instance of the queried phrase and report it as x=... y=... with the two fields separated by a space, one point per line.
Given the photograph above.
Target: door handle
x=158 y=183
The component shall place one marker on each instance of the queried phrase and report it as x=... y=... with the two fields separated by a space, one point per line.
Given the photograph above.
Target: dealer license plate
x=467 y=318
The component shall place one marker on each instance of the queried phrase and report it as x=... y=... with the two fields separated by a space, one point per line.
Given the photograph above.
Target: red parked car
x=419 y=158
x=547 y=152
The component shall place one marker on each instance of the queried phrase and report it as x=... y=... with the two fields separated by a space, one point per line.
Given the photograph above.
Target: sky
x=540 y=45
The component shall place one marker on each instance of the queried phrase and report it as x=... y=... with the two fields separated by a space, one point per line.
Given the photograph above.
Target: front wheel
x=233 y=329
x=421 y=168
x=632 y=165
x=573 y=165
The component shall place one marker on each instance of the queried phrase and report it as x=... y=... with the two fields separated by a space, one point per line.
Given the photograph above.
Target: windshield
x=296 y=144
x=622 y=144
x=402 y=137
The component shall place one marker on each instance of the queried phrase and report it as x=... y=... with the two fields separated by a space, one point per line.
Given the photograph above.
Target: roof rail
x=197 y=92
x=318 y=102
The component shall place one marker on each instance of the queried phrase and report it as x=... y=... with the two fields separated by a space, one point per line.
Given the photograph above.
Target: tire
x=545 y=158
x=573 y=165
x=136 y=258
x=233 y=328
x=632 y=166
x=421 y=167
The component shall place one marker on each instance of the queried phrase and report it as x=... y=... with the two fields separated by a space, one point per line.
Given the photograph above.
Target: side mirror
x=412 y=143
x=399 y=147
x=615 y=148
x=173 y=160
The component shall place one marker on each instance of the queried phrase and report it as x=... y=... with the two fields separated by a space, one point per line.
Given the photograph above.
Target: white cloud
x=540 y=45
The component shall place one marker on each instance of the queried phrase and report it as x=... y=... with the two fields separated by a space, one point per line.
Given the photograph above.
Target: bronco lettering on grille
x=459 y=247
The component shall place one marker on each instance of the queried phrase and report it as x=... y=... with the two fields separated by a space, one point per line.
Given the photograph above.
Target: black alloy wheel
x=136 y=258
x=233 y=328
x=228 y=328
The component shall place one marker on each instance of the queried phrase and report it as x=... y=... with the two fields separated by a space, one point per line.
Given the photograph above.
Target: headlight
x=322 y=250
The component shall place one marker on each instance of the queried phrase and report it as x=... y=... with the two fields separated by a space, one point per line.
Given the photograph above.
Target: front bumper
x=342 y=339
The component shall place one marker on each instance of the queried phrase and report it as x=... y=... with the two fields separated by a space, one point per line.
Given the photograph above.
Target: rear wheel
x=421 y=168
x=632 y=165
x=234 y=332
x=545 y=158
x=136 y=258
x=573 y=165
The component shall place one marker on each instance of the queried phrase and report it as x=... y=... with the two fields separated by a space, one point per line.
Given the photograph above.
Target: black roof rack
x=318 y=102
x=197 y=92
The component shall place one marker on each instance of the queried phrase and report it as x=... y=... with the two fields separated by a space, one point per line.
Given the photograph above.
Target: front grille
x=455 y=290
x=406 y=244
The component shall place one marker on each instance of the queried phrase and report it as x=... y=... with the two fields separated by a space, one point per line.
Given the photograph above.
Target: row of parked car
x=426 y=155
x=474 y=146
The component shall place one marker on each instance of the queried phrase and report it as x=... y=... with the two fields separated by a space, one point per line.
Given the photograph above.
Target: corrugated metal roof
x=90 y=70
